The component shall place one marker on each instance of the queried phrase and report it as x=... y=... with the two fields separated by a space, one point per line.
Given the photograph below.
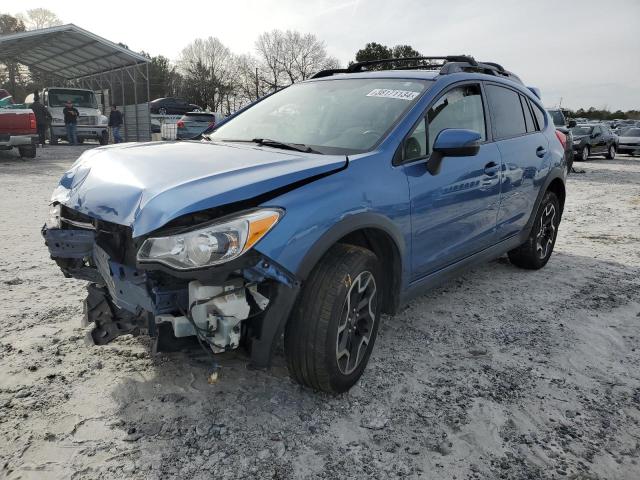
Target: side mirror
x=572 y=123
x=453 y=142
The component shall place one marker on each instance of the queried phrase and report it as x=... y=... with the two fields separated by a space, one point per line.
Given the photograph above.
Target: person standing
x=115 y=122
x=71 y=122
x=42 y=118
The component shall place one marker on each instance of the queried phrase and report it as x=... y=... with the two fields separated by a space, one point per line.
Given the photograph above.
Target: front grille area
x=115 y=239
x=87 y=120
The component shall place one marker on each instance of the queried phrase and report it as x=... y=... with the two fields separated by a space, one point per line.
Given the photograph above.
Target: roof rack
x=445 y=64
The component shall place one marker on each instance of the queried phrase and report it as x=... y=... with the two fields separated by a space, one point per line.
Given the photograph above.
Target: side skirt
x=422 y=285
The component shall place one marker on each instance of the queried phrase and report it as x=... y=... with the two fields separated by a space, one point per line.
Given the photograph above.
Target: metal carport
x=68 y=55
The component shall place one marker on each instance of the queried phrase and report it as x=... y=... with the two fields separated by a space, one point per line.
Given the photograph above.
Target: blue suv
x=308 y=214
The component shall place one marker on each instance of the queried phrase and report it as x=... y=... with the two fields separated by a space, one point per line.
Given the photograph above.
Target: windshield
x=631 y=132
x=558 y=117
x=582 y=130
x=79 y=98
x=338 y=116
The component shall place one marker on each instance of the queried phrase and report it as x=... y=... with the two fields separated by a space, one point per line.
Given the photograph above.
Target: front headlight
x=211 y=245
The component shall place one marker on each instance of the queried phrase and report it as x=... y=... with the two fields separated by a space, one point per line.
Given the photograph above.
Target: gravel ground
x=501 y=373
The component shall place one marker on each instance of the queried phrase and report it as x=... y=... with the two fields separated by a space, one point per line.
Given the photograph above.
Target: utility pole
x=257 y=94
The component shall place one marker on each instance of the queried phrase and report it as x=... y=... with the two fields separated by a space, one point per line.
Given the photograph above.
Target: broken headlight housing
x=53 y=220
x=211 y=245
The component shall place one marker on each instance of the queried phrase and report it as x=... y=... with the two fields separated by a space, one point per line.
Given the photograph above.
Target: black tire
x=104 y=138
x=321 y=319
x=27 y=151
x=611 y=152
x=80 y=141
x=536 y=251
x=584 y=153
x=53 y=140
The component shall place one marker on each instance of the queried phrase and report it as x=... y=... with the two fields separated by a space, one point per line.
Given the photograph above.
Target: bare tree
x=206 y=65
x=270 y=48
x=37 y=18
x=289 y=57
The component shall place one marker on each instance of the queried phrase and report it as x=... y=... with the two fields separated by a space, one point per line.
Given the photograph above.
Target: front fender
x=347 y=225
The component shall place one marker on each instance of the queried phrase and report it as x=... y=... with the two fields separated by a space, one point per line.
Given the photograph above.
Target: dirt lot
x=502 y=373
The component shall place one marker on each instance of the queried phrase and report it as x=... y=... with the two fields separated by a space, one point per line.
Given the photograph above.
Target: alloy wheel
x=356 y=323
x=585 y=153
x=547 y=231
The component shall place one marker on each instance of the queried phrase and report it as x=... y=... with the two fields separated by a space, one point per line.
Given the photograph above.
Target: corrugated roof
x=67 y=51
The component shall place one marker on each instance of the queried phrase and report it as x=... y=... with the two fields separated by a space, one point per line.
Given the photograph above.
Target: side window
x=539 y=114
x=528 y=117
x=460 y=107
x=415 y=146
x=506 y=112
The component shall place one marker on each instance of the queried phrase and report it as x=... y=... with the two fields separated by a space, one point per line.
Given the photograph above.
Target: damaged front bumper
x=246 y=302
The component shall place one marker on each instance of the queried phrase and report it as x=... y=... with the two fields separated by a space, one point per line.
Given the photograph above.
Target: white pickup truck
x=92 y=124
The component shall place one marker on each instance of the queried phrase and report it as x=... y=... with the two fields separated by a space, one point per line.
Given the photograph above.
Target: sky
x=581 y=52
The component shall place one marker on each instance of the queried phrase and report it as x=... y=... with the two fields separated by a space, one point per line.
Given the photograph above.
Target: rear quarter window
x=539 y=114
x=506 y=112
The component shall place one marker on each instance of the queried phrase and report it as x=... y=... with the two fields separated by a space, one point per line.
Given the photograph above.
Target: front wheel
x=104 y=138
x=611 y=152
x=331 y=333
x=53 y=140
x=584 y=153
x=536 y=251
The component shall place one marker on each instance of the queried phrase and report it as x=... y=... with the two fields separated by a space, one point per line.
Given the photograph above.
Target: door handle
x=541 y=152
x=491 y=168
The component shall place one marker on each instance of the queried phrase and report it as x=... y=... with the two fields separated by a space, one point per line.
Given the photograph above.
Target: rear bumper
x=19 y=141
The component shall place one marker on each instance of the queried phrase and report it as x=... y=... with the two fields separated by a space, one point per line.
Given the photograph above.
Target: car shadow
x=497 y=326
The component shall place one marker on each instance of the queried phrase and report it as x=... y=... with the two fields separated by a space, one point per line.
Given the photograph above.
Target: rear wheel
x=536 y=251
x=331 y=333
x=27 y=151
x=611 y=152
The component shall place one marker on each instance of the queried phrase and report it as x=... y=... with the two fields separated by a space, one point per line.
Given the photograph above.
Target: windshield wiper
x=267 y=142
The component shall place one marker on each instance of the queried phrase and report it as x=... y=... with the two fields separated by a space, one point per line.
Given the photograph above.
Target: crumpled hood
x=144 y=186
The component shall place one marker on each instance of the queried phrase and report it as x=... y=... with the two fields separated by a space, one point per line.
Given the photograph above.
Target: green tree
x=377 y=51
x=405 y=51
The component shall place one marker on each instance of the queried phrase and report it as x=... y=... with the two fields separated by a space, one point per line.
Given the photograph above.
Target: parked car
x=593 y=140
x=18 y=130
x=190 y=126
x=564 y=126
x=172 y=106
x=629 y=141
x=312 y=212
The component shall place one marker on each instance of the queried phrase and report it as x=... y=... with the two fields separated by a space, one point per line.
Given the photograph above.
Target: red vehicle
x=18 y=129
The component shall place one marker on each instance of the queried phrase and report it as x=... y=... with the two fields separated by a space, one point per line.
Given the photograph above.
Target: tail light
x=180 y=124
x=32 y=121
x=563 y=139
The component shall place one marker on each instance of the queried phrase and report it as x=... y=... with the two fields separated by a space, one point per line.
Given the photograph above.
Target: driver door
x=454 y=212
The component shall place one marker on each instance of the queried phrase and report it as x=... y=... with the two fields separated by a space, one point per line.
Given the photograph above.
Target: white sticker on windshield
x=388 y=93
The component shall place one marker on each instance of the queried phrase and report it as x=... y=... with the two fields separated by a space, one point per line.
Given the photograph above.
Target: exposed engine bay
x=223 y=308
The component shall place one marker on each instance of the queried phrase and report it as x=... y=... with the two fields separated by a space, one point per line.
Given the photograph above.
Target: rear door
x=599 y=142
x=517 y=128
x=453 y=213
